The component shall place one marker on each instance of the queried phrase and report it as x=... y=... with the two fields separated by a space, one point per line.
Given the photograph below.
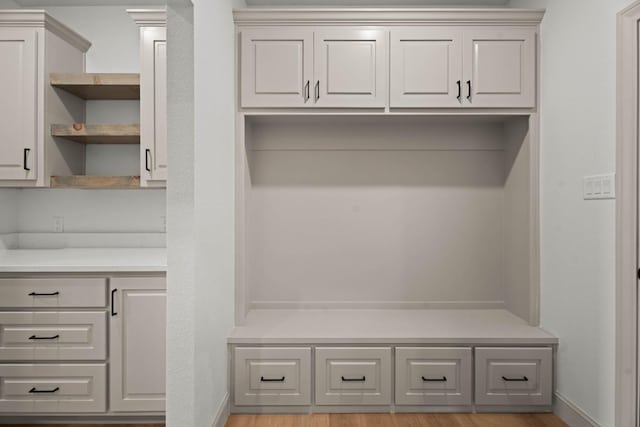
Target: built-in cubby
x=387 y=211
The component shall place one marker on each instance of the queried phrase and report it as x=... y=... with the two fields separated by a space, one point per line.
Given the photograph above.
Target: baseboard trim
x=572 y=414
x=222 y=415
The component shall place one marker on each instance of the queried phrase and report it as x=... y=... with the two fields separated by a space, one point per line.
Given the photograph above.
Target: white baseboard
x=222 y=415
x=571 y=414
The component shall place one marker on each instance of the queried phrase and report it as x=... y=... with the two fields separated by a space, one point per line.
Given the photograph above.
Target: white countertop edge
x=398 y=341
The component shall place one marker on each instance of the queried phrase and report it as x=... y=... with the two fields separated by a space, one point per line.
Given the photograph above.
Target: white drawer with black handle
x=62 y=292
x=514 y=376
x=433 y=376
x=353 y=375
x=272 y=376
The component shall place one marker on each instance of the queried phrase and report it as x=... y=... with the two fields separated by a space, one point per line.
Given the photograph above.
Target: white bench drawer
x=53 y=292
x=353 y=376
x=433 y=376
x=514 y=376
x=52 y=388
x=46 y=335
x=272 y=376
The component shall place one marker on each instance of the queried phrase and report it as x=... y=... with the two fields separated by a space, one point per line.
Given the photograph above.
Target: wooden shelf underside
x=98 y=134
x=90 y=181
x=98 y=85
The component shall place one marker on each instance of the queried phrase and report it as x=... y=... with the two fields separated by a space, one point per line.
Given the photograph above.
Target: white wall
x=8 y=4
x=577 y=236
x=8 y=210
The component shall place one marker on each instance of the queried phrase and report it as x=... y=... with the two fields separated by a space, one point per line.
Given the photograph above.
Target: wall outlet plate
x=58 y=224
x=598 y=187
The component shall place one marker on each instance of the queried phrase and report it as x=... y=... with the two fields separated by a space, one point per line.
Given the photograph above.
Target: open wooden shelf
x=98 y=85
x=91 y=181
x=98 y=134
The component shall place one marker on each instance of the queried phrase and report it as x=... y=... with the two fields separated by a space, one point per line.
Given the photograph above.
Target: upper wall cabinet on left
x=33 y=44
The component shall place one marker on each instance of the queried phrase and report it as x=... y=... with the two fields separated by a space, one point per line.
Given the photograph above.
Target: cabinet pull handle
x=40 y=294
x=515 y=379
x=33 y=337
x=35 y=390
x=272 y=380
x=459 y=90
x=147 y=154
x=317 y=91
x=354 y=379
x=113 y=307
x=435 y=380
x=306 y=91
x=469 y=87
x=24 y=159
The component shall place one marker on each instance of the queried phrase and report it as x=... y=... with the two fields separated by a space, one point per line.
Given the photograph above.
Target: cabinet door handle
x=35 y=390
x=317 y=91
x=113 y=307
x=515 y=379
x=33 y=337
x=346 y=380
x=24 y=159
x=272 y=380
x=40 y=294
x=435 y=380
x=147 y=154
x=459 y=90
x=469 y=87
x=306 y=91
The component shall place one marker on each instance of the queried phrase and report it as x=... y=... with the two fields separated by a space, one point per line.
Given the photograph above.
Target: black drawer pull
x=272 y=380
x=354 y=379
x=24 y=159
x=459 y=90
x=523 y=379
x=33 y=337
x=435 y=380
x=113 y=307
x=35 y=390
x=38 y=294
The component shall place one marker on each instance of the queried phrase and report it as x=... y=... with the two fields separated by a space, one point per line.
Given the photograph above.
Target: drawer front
x=272 y=376
x=514 y=376
x=433 y=376
x=52 y=388
x=45 y=335
x=53 y=292
x=353 y=376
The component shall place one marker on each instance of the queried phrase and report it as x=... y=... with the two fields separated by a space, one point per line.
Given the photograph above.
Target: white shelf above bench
x=387 y=326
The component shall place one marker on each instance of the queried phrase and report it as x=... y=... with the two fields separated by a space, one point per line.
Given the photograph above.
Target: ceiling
x=54 y=3
x=386 y=3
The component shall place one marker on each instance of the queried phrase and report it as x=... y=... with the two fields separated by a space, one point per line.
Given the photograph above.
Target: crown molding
x=38 y=18
x=149 y=17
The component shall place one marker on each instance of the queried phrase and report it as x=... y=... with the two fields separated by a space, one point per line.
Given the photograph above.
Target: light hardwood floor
x=397 y=420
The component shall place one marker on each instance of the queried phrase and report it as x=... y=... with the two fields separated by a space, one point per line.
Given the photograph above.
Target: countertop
x=83 y=260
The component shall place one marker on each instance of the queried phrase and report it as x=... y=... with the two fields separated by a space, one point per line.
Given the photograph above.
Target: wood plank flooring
x=397 y=420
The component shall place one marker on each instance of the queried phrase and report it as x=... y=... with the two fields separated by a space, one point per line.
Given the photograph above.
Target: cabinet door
x=350 y=68
x=137 y=338
x=153 y=107
x=18 y=103
x=500 y=68
x=426 y=67
x=276 y=67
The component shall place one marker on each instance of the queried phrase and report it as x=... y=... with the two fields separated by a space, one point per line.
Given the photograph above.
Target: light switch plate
x=597 y=187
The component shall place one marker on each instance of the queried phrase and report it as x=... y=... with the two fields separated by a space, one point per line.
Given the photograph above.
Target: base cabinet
x=137 y=344
x=427 y=379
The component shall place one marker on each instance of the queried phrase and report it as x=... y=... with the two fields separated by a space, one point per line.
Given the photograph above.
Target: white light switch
x=600 y=187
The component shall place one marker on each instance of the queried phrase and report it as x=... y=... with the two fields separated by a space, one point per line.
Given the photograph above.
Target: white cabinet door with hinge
x=500 y=67
x=137 y=338
x=350 y=68
x=276 y=67
x=18 y=103
x=153 y=106
x=426 y=67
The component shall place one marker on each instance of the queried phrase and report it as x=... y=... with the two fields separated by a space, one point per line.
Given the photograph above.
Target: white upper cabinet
x=300 y=67
x=277 y=67
x=18 y=103
x=153 y=95
x=500 y=67
x=350 y=68
x=472 y=67
x=426 y=67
